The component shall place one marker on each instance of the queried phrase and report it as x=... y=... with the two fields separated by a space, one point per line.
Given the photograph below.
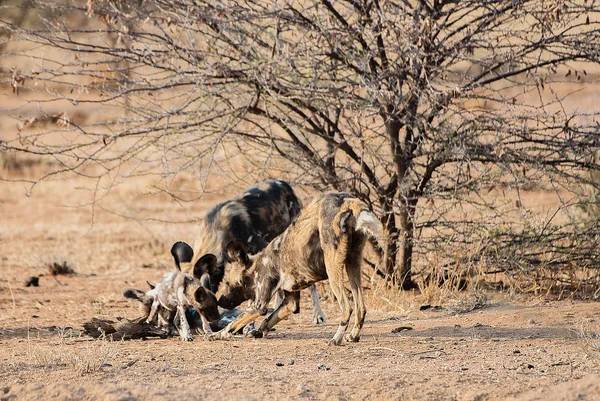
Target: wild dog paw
x=220 y=335
x=248 y=328
x=187 y=338
x=318 y=318
x=254 y=333
x=350 y=338
x=334 y=341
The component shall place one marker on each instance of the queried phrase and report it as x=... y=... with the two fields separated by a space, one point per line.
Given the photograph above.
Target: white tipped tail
x=368 y=223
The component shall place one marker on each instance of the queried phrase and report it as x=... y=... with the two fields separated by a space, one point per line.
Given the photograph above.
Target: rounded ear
x=205 y=280
x=182 y=253
x=206 y=264
x=237 y=253
x=200 y=294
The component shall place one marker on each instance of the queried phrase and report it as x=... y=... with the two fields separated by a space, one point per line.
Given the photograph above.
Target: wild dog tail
x=368 y=223
x=138 y=295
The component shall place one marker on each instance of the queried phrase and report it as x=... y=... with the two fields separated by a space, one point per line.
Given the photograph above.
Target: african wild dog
x=326 y=239
x=254 y=218
x=169 y=300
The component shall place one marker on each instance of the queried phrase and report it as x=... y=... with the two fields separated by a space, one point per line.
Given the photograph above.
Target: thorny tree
x=414 y=106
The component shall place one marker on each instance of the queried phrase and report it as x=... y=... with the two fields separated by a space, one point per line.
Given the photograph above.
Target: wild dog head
x=236 y=286
x=197 y=287
x=201 y=297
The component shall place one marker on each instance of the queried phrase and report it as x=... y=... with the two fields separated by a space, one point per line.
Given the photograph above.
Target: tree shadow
x=489 y=332
x=39 y=332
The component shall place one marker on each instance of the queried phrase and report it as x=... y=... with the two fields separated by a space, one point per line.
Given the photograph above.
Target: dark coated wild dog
x=326 y=239
x=169 y=300
x=254 y=218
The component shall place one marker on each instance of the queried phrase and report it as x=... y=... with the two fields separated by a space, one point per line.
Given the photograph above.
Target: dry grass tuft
x=18 y=164
x=470 y=301
x=96 y=355
x=458 y=288
x=60 y=268
x=93 y=357
x=590 y=340
x=381 y=296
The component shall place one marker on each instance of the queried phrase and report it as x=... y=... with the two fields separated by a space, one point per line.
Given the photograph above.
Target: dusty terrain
x=501 y=346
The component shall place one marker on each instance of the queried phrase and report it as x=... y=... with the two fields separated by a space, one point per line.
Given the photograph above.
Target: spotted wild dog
x=326 y=240
x=254 y=218
x=169 y=300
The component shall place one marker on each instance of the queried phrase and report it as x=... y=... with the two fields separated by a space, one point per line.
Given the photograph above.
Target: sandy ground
x=509 y=347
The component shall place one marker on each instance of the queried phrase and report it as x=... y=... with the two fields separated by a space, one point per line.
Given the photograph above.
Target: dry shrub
x=384 y=298
x=458 y=287
x=58 y=264
x=589 y=204
x=379 y=295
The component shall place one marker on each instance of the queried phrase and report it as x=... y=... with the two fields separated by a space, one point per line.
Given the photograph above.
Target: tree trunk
x=390 y=248
x=403 y=273
x=397 y=251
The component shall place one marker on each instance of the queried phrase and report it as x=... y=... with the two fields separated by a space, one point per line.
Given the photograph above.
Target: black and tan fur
x=253 y=219
x=326 y=240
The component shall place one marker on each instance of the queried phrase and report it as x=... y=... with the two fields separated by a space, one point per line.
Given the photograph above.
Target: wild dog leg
x=153 y=311
x=335 y=273
x=168 y=322
x=242 y=320
x=278 y=298
x=290 y=304
x=184 y=330
x=318 y=315
x=353 y=269
x=205 y=324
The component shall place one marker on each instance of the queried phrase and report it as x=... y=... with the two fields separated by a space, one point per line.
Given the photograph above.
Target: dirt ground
x=506 y=347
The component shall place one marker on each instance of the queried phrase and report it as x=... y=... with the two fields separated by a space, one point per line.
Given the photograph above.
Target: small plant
x=98 y=306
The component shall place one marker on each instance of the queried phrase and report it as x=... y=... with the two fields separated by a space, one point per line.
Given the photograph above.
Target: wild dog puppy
x=177 y=291
x=326 y=240
x=254 y=218
x=165 y=318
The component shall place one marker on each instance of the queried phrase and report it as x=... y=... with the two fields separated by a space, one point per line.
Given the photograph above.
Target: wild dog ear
x=200 y=294
x=344 y=220
x=150 y=285
x=205 y=280
x=206 y=264
x=237 y=253
x=182 y=253
x=131 y=293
